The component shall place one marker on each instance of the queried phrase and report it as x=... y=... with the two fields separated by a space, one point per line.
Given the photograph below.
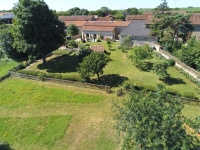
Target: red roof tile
x=97 y=48
x=107 y=23
x=76 y=18
x=104 y=19
x=195 y=18
x=97 y=28
x=77 y=23
x=136 y=17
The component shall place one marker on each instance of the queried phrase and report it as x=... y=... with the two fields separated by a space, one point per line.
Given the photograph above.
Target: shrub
x=189 y=95
x=149 y=88
x=41 y=76
x=173 y=92
x=108 y=41
x=87 y=44
x=72 y=44
x=98 y=40
x=128 y=85
x=171 y=62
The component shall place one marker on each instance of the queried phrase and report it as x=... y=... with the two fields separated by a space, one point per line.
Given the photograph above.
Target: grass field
x=118 y=71
x=6 y=66
x=40 y=115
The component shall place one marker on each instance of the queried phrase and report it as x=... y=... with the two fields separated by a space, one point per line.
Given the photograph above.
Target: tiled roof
x=76 y=23
x=104 y=19
x=97 y=48
x=136 y=17
x=195 y=18
x=136 y=28
x=149 y=19
x=97 y=28
x=107 y=23
x=76 y=18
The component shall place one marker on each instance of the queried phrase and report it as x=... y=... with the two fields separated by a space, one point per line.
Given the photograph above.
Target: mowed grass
x=16 y=93
x=39 y=115
x=6 y=66
x=119 y=70
x=42 y=132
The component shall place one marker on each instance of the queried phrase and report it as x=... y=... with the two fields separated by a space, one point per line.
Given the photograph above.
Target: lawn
x=118 y=71
x=6 y=66
x=41 y=115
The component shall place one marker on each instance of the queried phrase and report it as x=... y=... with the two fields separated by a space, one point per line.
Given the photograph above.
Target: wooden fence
x=184 y=100
x=66 y=82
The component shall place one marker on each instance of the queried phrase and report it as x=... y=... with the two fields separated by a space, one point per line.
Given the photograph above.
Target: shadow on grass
x=172 y=81
x=113 y=80
x=145 y=66
x=60 y=64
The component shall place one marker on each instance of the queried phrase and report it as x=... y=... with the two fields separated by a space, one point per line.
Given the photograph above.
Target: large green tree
x=152 y=121
x=72 y=30
x=141 y=53
x=172 y=27
x=132 y=11
x=93 y=64
x=160 y=69
x=37 y=30
x=162 y=7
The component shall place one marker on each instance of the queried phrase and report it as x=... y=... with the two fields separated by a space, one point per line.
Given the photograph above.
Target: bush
x=87 y=44
x=98 y=40
x=41 y=76
x=189 y=95
x=171 y=62
x=108 y=41
x=72 y=44
x=149 y=88
x=173 y=92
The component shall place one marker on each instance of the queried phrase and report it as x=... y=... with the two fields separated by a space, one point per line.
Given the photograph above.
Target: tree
x=37 y=30
x=72 y=30
x=141 y=53
x=162 y=7
x=83 y=51
x=152 y=121
x=190 y=53
x=6 y=40
x=132 y=11
x=160 y=69
x=119 y=16
x=84 y=12
x=127 y=43
x=93 y=64
x=172 y=27
x=74 y=11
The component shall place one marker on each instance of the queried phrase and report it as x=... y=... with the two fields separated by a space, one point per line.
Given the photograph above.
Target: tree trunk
x=43 y=58
x=98 y=76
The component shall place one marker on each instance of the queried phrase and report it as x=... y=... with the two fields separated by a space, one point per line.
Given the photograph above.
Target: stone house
x=7 y=18
x=110 y=29
x=195 y=21
x=139 y=33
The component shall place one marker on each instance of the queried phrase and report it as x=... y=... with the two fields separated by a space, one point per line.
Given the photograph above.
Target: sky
x=64 y=5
